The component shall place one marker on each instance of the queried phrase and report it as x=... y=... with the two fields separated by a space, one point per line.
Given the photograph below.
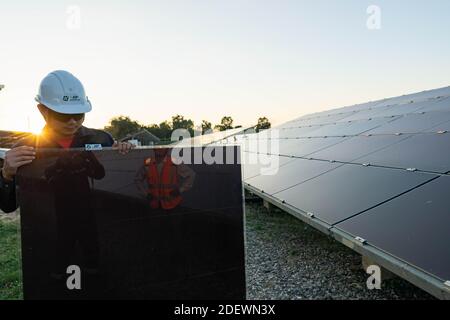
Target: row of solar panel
x=425 y=152
x=381 y=119
x=415 y=97
x=419 y=96
x=384 y=179
x=411 y=123
x=386 y=109
x=440 y=102
x=403 y=213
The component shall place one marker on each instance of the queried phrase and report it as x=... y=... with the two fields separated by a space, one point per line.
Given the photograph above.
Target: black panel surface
x=332 y=129
x=441 y=104
x=413 y=123
x=298 y=132
x=256 y=164
x=99 y=211
x=366 y=113
x=445 y=126
x=402 y=109
x=429 y=152
x=348 y=190
x=295 y=172
x=362 y=126
x=356 y=147
x=349 y=110
x=304 y=147
x=414 y=227
x=346 y=128
x=322 y=119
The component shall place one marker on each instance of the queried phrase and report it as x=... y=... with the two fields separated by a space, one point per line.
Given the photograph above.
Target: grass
x=10 y=265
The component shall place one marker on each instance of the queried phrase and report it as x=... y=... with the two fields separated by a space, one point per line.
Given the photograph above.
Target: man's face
x=64 y=124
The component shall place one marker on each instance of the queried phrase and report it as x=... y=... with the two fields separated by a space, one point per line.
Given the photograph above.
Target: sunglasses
x=63 y=117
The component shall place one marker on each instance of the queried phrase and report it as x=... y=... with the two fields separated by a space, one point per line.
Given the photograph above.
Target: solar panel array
x=378 y=171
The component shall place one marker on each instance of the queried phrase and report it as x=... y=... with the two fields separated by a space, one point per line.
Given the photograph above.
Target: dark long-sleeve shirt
x=83 y=136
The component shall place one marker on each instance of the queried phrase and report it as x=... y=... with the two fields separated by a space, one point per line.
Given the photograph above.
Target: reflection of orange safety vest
x=161 y=186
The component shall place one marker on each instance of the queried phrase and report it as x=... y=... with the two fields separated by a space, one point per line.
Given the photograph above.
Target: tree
x=206 y=126
x=179 y=122
x=225 y=124
x=121 y=126
x=165 y=130
x=263 y=124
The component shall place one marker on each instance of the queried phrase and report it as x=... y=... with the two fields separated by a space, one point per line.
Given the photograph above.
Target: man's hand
x=15 y=158
x=123 y=147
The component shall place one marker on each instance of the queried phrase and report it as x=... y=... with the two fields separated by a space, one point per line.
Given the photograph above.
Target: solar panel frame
x=358 y=127
x=413 y=123
x=306 y=170
x=253 y=168
x=357 y=147
x=366 y=113
x=332 y=202
x=305 y=147
x=424 y=151
x=442 y=104
x=412 y=227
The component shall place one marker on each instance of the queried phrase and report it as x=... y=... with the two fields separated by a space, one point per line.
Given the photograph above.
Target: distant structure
x=2 y=86
x=142 y=138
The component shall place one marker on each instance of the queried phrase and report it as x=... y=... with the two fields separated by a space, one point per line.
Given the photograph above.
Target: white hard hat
x=62 y=92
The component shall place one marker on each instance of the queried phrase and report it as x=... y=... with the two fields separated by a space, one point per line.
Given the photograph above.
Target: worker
x=63 y=104
x=162 y=182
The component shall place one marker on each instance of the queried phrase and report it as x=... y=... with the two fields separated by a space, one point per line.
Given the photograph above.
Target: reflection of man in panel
x=163 y=182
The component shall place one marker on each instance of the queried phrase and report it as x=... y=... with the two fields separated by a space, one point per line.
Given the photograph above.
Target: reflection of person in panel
x=163 y=182
x=63 y=104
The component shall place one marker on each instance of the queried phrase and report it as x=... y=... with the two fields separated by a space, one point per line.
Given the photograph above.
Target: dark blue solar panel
x=428 y=151
x=413 y=227
x=349 y=190
x=357 y=147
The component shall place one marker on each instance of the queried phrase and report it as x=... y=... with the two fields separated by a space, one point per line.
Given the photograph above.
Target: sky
x=205 y=59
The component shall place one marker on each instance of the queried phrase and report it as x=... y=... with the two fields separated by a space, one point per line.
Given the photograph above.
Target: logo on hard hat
x=71 y=98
